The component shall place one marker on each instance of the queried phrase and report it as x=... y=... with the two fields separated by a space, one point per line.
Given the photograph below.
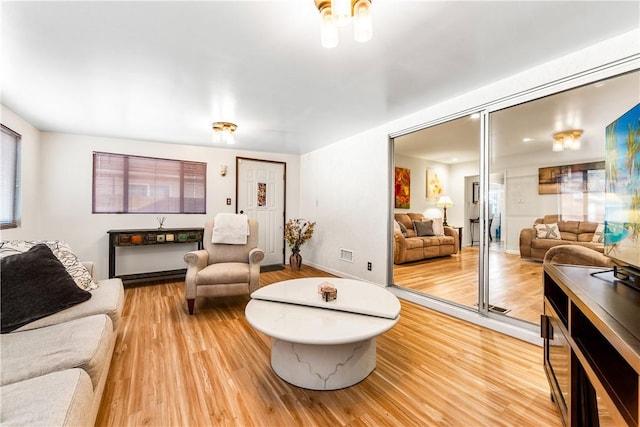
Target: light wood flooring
x=212 y=368
x=515 y=284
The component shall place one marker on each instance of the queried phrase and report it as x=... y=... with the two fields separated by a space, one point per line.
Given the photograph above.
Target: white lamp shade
x=444 y=202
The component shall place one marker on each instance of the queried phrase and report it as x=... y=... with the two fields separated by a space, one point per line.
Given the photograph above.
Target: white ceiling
x=589 y=108
x=164 y=71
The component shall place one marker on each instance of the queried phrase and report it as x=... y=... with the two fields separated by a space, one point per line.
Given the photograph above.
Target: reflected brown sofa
x=579 y=233
x=414 y=248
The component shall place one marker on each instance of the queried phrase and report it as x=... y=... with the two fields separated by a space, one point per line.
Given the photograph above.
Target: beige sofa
x=414 y=248
x=54 y=369
x=579 y=233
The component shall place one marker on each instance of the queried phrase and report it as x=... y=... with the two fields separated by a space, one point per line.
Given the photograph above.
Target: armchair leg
x=190 y=304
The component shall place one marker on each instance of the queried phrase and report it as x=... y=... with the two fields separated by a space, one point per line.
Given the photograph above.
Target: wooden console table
x=149 y=237
x=591 y=332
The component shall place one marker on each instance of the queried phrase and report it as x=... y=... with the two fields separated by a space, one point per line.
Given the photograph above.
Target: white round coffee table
x=317 y=344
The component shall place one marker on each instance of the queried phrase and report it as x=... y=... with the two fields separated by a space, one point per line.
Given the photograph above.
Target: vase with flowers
x=296 y=232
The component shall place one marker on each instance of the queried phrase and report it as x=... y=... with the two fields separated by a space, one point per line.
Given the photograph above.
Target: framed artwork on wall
x=475 y=192
x=402 y=188
x=434 y=188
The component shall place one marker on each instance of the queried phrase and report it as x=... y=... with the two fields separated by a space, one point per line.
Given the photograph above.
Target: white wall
x=345 y=189
x=351 y=178
x=29 y=168
x=65 y=198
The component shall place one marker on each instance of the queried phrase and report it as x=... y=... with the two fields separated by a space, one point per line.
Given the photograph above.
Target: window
x=134 y=184
x=9 y=178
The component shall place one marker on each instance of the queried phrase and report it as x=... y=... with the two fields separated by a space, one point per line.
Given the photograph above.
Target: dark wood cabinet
x=591 y=331
x=146 y=237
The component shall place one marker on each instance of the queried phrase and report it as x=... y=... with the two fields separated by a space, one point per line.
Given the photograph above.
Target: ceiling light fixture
x=223 y=132
x=338 y=13
x=567 y=140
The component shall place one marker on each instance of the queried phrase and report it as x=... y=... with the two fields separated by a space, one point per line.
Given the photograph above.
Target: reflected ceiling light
x=475 y=116
x=567 y=140
x=338 y=13
x=527 y=139
x=223 y=132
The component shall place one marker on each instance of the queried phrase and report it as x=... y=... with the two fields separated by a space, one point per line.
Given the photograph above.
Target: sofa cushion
x=82 y=343
x=57 y=399
x=423 y=228
x=107 y=298
x=598 y=234
x=547 y=231
x=35 y=284
x=438 y=226
x=61 y=250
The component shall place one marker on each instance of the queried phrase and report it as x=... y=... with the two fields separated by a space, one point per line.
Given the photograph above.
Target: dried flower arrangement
x=297 y=231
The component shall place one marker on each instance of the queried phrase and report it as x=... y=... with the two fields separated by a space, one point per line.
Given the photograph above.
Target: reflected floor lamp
x=444 y=202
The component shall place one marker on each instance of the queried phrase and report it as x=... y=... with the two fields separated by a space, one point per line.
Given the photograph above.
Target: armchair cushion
x=228 y=272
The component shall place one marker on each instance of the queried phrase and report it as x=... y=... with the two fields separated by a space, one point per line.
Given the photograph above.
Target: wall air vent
x=346 y=255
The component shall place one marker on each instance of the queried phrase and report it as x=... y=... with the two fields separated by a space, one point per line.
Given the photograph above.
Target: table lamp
x=444 y=202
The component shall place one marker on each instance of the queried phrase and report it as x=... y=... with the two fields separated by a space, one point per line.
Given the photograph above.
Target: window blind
x=9 y=146
x=136 y=184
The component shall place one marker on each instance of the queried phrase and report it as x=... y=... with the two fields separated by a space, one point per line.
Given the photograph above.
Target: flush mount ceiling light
x=338 y=13
x=223 y=132
x=567 y=140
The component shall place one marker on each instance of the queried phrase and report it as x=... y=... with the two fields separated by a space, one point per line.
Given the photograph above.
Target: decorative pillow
x=598 y=235
x=438 y=227
x=424 y=228
x=547 y=231
x=403 y=229
x=61 y=250
x=35 y=284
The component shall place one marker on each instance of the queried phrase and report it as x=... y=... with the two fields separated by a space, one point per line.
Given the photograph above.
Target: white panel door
x=261 y=197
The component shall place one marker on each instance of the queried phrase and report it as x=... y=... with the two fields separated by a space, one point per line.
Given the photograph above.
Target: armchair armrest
x=196 y=259
x=526 y=236
x=256 y=255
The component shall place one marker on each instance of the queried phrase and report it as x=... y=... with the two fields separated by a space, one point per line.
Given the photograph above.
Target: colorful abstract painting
x=403 y=188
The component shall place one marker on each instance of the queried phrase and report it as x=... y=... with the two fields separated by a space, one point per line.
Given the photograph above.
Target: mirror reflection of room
x=523 y=152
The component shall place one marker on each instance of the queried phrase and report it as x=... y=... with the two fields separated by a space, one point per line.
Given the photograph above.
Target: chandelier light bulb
x=341 y=12
x=328 y=29
x=362 y=21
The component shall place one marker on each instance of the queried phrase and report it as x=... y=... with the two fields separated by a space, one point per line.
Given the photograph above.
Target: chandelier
x=338 y=13
x=223 y=132
x=566 y=140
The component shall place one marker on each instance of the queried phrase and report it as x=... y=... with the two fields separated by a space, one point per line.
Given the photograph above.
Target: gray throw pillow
x=423 y=228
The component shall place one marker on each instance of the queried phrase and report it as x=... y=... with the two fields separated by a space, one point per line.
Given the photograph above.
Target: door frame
x=284 y=189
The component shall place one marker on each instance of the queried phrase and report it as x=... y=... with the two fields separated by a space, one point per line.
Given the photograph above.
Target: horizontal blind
x=136 y=184
x=8 y=179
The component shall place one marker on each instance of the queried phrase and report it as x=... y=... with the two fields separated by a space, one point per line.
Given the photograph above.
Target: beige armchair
x=221 y=269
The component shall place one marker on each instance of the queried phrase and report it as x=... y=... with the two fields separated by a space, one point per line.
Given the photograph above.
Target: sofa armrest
x=399 y=247
x=449 y=231
x=526 y=237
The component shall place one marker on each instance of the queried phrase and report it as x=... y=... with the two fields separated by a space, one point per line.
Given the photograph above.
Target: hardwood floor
x=212 y=368
x=515 y=284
